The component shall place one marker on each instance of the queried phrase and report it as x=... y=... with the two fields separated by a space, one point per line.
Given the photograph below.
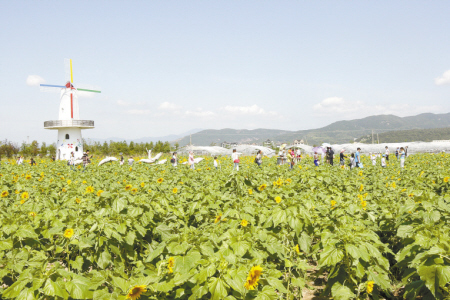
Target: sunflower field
x=159 y=232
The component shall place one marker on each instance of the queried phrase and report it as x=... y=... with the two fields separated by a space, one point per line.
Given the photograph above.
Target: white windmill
x=69 y=124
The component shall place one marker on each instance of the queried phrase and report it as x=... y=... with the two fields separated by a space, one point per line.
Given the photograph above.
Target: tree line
x=10 y=149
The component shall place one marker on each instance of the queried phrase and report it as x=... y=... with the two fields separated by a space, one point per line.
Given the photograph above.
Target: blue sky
x=166 y=67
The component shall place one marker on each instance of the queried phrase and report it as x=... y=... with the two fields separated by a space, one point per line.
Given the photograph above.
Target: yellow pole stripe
x=71 y=73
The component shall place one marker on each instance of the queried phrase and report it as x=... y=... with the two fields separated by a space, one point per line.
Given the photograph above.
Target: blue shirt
x=357 y=157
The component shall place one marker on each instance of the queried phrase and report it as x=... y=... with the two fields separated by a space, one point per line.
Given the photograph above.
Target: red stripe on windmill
x=68 y=124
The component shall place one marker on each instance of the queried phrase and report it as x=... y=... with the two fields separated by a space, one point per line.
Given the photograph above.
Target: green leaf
x=26 y=294
x=156 y=252
x=434 y=276
x=304 y=242
x=405 y=231
x=183 y=264
x=26 y=231
x=14 y=290
x=236 y=279
x=130 y=238
x=341 y=292
x=121 y=283
x=6 y=244
x=267 y=293
x=104 y=259
x=240 y=247
x=277 y=284
x=77 y=263
x=52 y=288
x=218 y=288
x=330 y=256
x=198 y=292
x=78 y=287
x=119 y=204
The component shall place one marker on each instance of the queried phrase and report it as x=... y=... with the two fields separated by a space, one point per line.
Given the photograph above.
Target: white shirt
x=234 y=156
x=215 y=163
x=383 y=162
x=387 y=151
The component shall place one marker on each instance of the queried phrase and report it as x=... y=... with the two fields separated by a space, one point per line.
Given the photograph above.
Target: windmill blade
x=51 y=88
x=86 y=90
x=68 y=70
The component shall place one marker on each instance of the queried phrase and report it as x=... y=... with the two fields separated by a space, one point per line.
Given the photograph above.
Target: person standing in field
x=291 y=157
x=358 y=158
x=383 y=161
x=316 y=159
x=331 y=156
x=352 y=163
x=72 y=161
x=373 y=157
x=216 y=164
x=174 y=160
x=342 y=158
x=258 y=158
x=396 y=152
x=191 y=160
x=235 y=159
x=406 y=151
x=387 y=153
x=402 y=155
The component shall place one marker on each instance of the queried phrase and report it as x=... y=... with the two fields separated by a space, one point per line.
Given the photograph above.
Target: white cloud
x=200 y=113
x=168 y=106
x=337 y=106
x=444 y=79
x=139 y=111
x=123 y=103
x=248 y=110
x=34 y=80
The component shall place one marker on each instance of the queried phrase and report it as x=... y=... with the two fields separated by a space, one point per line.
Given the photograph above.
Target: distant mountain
x=412 y=135
x=166 y=138
x=337 y=132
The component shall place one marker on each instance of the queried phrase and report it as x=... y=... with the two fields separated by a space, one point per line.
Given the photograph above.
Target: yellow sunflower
x=361 y=187
x=68 y=233
x=142 y=184
x=218 y=218
x=171 y=264
x=25 y=195
x=5 y=194
x=370 y=287
x=297 y=249
x=64 y=190
x=32 y=214
x=134 y=190
x=277 y=199
x=253 y=278
x=77 y=200
x=135 y=292
x=89 y=189
x=99 y=192
x=363 y=203
x=244 y=223
x=160 y=180
x=250 y=191
x=69 y=181
x=333 y=203
x=28 y=176
x=175 y=190
x=262 y=187
x=446 y=179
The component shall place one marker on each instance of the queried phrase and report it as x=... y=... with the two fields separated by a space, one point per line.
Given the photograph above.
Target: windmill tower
x=68 y=124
